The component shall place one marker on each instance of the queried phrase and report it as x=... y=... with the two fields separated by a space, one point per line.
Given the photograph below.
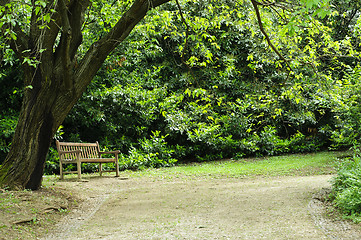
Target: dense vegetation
x=208 y=86
x=346 y=187
x=211 y=89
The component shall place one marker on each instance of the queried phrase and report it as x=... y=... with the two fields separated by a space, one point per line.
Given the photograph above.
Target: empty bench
x=84 y=153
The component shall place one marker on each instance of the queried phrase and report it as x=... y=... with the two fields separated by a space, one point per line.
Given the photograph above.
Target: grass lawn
x=288 y=165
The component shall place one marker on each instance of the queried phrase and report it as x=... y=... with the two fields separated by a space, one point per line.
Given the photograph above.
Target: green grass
x=289 y=165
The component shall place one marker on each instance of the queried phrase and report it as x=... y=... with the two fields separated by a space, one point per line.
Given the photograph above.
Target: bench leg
x=100 y=169
x=61 y=170
x=117 y=168
x=78 y=166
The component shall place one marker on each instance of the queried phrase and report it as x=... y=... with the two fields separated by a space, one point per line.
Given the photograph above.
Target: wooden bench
x=84 y=153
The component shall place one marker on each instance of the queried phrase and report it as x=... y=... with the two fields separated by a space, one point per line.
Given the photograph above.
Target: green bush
x=7 y=130
x=346 y=188
x=153 y=152
x=52 y=162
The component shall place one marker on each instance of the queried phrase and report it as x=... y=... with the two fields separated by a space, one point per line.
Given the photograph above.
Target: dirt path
x=230 y=208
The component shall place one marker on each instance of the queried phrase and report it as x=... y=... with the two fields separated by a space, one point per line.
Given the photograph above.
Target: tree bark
x=42 y=112
x=57 y=84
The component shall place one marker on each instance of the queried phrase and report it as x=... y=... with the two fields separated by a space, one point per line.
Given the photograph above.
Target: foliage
x=7 y=129
x=346 y=95
x=346 y=187
x=10 y=101
x=52 y=163
x=211 y=88
x=215 y=90
x=153 y=152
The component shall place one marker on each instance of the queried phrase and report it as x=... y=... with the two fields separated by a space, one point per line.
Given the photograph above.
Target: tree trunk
x=43 y=111
x=24 y=164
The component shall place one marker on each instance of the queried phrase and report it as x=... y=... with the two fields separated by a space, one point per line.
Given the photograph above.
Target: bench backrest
x=88 y=150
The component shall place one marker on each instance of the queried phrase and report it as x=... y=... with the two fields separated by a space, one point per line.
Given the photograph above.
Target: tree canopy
x=176 y=80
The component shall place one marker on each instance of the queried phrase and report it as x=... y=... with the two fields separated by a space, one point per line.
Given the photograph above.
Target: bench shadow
x=87 y=178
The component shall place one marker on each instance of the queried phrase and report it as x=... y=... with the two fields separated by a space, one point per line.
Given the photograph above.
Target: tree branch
x=43 y=34
x=99 y=50
x=77 y=18
x=187 y=30
x=259 y=20
x=278 y=4
x=186 y=43
x=50 y=34
x=65 y=42
x=20 y=44
x=72 y=18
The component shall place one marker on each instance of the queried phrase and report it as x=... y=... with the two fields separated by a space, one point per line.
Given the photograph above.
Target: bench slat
x=97 y=160
x=77 y=144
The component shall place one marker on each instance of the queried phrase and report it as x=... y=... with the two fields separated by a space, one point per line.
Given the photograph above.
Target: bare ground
x=199 y=208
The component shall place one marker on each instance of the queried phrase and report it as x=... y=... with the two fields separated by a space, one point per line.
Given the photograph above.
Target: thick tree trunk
x=24 y=164
x=42 y=112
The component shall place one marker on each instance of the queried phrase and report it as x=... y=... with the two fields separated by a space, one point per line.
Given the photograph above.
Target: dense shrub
x=346 y=188
x=7 y=129
x=10 y=101
x=153 y=152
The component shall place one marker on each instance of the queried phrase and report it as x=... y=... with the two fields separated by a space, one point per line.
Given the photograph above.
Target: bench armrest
x=110 y=152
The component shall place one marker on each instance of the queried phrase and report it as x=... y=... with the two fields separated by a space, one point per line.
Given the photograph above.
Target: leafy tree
x=62 y=45
x=47 y=37
x=233 y=102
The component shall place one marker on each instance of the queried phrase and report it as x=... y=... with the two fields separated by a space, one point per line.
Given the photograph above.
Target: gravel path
x=200 y=208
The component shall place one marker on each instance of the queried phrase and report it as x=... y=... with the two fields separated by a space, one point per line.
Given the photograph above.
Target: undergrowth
x=346 y=187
